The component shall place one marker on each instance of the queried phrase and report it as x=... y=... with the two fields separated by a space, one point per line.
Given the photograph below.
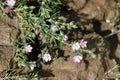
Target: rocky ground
x=90 y=16
x=8 y=34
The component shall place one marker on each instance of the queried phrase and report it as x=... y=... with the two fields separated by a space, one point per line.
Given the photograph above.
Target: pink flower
x=65 y=38
x=75 y=46
x=28 y=48
x=10 y=3
x=83 y=44
x=77 y=58
x=46 y=57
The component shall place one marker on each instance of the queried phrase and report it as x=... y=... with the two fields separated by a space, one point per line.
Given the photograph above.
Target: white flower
x=32 y=65
x=77 y=58
x=65 y=38
x=54 y=28
x=28 y=48
x=83 y=44
x=107 y=21
x=75 y=46
x=10 y=3
x=46 y=57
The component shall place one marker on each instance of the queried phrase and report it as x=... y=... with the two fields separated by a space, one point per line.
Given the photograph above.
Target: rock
x=8 y=34
x=117 y=48
x=90 y=15
x=94 y=9
x=6 y=54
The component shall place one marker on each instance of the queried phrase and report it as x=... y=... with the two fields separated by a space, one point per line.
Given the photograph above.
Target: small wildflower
x=75 y=46
x=71 y=23
x=107 y=21
x=77 y=58
x=46 y=57
x=10 y=3
x=65 y=38
x=43 y=2
x=54 y=28
x=28 y=48
x=83 y=44
x=32 y=65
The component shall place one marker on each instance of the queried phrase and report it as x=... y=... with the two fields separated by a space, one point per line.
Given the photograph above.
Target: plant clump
x=42 y=31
